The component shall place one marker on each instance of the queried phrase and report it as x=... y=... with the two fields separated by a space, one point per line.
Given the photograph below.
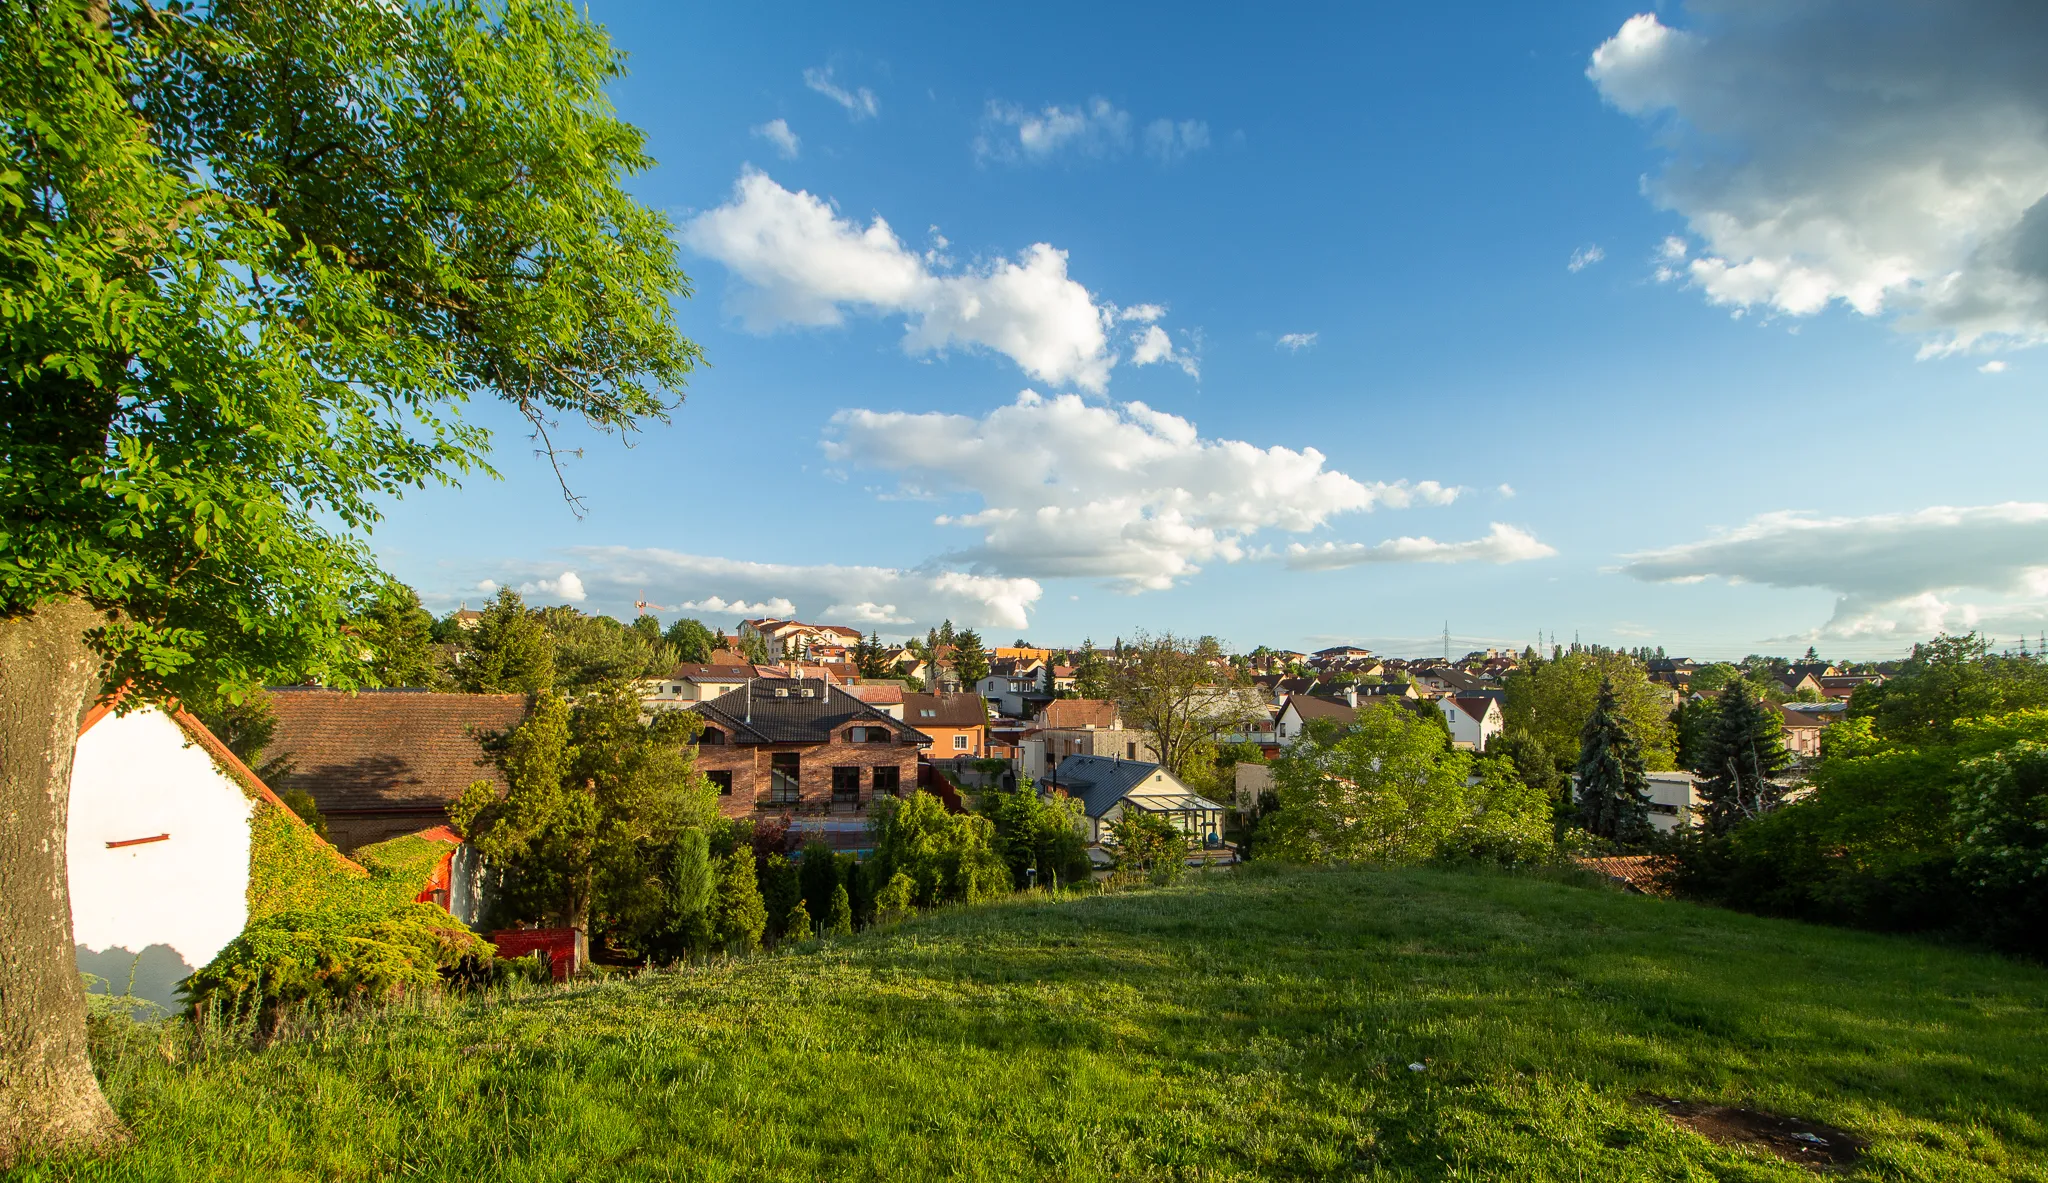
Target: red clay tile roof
x=1637 y=872
x=878 y=693
x=1078 y=712
x=386 y=750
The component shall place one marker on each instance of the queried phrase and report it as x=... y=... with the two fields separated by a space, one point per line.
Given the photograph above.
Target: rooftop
x=373 y=750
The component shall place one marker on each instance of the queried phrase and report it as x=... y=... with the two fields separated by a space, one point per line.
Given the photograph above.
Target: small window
x=712 y=735
x=959 y=743
x=1130 y=751
x=888 y=780
x=723 y=781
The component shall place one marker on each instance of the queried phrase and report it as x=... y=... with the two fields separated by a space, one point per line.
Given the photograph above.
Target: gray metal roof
x=755 y=713
x=1099 y=782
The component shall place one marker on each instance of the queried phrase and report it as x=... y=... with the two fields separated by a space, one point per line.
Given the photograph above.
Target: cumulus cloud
x=566 y=586
x=776 y=132
x=718 y=604
x=829 y=592
x=1891 y=573
x=805 y=265
x=1121 y=493
x=1584 y=257
x=1153 y=346
x=1097 y=129
x=1502 y=544
x=860 y=103
x=1992 y=367
x=1295 y=342
x=1891 y=155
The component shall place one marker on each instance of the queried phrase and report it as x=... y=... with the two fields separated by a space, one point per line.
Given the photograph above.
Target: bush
x=331 y=959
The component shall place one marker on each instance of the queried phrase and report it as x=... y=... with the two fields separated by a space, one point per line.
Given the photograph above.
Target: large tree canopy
x=254 y=260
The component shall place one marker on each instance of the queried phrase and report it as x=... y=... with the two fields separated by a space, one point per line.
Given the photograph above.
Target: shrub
x=1148 y=843
x=331 y=958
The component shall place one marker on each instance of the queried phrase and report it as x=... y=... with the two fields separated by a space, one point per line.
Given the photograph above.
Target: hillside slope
x=1254 y=1027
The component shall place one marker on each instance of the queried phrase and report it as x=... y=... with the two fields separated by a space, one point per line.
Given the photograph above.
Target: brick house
x=382 y=763
x=803 y=746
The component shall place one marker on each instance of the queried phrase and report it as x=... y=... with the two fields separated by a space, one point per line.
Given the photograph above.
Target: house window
x=888 y=779
x=711 y=735
x=723 y=780
x=959 y=743
x=785 y=778
x=846 y=785
x=1130 y=751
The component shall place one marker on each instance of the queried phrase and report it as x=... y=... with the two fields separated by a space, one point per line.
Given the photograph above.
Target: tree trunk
x=49 y=1099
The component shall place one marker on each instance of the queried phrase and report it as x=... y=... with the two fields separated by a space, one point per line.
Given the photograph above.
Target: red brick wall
x=749 y=766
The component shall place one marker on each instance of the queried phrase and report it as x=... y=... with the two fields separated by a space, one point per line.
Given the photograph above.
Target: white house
x=1674 y=798
x=1107 y=787
x=158 y=848
x=1473 y=721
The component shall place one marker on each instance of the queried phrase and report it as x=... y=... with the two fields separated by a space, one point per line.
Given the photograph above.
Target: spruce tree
x=741 y=915
x=1742 y=754
x=798 y=926
x=692 y=888
x=839 y=918
x=970 y=659
x=1614 y=801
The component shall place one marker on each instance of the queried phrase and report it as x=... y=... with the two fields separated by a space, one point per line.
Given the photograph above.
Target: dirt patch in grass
x=1808 y=1143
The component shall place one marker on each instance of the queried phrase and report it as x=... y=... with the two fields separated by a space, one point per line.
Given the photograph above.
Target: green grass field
x=1249 y=1027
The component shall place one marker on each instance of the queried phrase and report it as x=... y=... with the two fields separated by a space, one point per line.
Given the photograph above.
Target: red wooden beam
x=138 y=841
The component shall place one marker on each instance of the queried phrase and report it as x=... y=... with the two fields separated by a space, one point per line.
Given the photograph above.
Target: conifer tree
x=1738 y=762
x=510 y=652
x=742 y=916
x=839 y=920
x=798 y=926
x=692 y=888
x=1614 y=800
x=970 y=659
x=897 y=898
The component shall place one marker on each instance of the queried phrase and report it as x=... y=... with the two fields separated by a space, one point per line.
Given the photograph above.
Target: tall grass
x=1260 y=1026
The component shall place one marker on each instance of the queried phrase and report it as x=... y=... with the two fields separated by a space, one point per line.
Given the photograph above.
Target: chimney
x=1351 y=694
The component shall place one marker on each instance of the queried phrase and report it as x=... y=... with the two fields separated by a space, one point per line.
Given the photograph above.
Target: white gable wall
x=137 y=776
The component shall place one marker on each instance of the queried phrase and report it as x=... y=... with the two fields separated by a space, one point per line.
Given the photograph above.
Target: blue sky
x=1787 y=393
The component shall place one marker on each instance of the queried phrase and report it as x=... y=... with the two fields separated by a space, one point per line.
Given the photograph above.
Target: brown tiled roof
x=728 y=657
x=386 y=750
x=1637 y=872
x=1310 y=707
x=877 y=693
x=1078 y=712
x=949 y=710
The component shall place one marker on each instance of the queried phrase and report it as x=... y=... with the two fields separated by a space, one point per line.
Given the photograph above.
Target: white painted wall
x=136 y=776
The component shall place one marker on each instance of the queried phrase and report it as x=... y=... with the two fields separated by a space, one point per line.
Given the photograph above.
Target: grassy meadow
x=1254 y=1026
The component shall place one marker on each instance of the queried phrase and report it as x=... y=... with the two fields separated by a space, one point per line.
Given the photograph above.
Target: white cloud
x=1168 y=141
x=1140 y=313
x=776 y=132
x=1012 y=134
x=777 y=607
x=1097 y=129
x=1891 y=155
x=860 y=104
x=1506 y=490
x=827 y=592
x=1585 y=257
x=806 y=265
x=1121 y=493
x=1502 y=544
x=1153 y=345
x=1891 y=573
x=567 y=586
x=1295 y=342
x=1992 y=367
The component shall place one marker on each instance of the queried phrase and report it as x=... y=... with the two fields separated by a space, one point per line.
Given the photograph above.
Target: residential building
x=1016 y=686
x=1841 y=686
x=1803 y=724
x=383 y=763
x=1300 y=709
x=803 y=746
x=787 y=640
x=1473 y=721
x=884 y=695
x=690 y=683
x=1675 y=672
x=1674 y=800
x=158 y=848
x=956 y=724
x=1106 y=788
